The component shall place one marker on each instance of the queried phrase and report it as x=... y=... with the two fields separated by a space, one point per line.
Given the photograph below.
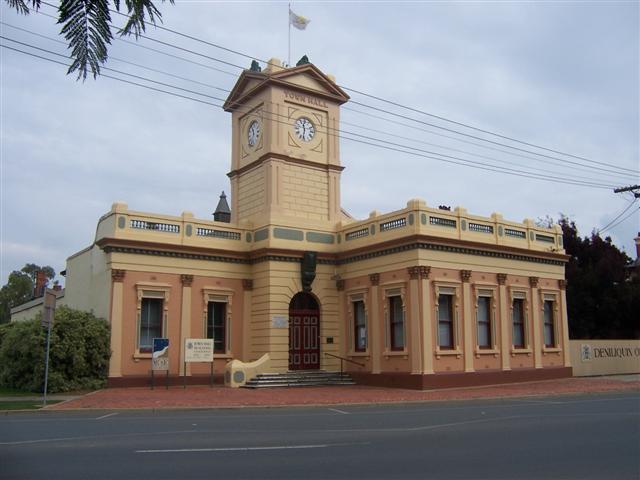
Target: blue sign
x=160 y=356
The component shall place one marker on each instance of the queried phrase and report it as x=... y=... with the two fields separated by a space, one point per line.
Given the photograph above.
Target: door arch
x=304 y=332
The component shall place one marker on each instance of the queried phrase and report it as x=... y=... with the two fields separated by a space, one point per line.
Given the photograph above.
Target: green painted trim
x=316 y=237
x=261 y=235
x=288 y=234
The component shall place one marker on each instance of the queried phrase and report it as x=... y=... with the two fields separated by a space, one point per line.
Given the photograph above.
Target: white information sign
x=198 y=350
x=279 y=321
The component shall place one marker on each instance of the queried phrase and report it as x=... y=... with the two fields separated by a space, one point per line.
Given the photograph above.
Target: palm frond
x=86 y=26
x=138 y=11
x=22 y=6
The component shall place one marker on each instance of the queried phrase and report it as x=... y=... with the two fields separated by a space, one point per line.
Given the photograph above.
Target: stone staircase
x=300 y=378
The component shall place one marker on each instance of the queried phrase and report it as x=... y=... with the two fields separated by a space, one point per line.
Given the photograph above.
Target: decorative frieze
x=186 y=280
x=502 y=278
x=374 y=278
x=465 y=275
x=425 y=271
x=118 y=275
x=533 y=282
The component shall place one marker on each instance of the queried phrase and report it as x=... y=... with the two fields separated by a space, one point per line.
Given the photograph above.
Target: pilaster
x=376 y=324
x=247 y=298
x=185 y=319
x=505 y=322
x=117 y=290
x=535 y=323
x=465 y=276
x=565 y=323
x=426 y=320
x=414 y=337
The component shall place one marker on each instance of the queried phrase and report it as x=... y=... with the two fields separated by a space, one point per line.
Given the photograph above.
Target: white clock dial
x=304 y=129
x=253 y=133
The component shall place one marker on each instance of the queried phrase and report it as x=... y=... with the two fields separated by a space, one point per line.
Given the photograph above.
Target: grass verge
x=24 y=404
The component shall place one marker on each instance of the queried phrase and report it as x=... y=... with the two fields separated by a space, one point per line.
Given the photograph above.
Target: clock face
x=253 y=133
x=304 y=129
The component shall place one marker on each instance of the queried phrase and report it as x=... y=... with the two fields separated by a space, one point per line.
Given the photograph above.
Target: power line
x=359 y=103
x=611 y=223
x=236 y=52
x=389 y=145
x=624 y=219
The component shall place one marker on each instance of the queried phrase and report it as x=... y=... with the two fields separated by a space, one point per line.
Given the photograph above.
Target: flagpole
x=289 y=22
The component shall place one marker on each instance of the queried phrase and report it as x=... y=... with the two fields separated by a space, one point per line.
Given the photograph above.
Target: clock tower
x=285 y=163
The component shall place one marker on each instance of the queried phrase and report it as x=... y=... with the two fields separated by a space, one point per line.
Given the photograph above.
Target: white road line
x=339 y=411
x=107 y=415
x=237 y=449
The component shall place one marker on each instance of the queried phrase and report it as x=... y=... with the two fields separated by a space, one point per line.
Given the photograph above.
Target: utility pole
x=631 y=188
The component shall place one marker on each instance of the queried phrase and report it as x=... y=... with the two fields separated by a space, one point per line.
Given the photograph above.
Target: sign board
x=279 y=321
x=160 y=356
x=198 y=350
x=48 y=307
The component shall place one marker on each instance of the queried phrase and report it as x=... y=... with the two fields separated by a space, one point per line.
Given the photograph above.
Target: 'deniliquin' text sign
x=198 y=350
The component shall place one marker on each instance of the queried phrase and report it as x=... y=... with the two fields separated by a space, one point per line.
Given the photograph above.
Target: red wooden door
x=304 y=333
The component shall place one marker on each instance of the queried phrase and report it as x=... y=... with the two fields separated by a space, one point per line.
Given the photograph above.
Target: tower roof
x=251 y=82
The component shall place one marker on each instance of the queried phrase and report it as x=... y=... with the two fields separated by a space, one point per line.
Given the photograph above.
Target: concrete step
x=299 y=378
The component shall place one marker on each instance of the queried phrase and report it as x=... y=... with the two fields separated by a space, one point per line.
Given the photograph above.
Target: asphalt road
x=585 y=437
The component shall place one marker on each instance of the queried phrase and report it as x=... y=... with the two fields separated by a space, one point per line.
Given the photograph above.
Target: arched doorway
x=304 y=332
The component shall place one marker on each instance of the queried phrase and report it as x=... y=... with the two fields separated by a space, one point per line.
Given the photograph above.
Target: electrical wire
x=365 y=105
x=266 y=62
x=389 y=145
x=611 y=223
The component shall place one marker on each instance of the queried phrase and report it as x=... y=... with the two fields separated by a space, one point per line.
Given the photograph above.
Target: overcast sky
x=563 y=75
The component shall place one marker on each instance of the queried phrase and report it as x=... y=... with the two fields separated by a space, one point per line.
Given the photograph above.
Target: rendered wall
x=605 y=357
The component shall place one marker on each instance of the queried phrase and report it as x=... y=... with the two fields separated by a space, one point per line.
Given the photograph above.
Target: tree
x=87 y=26
x=601 y=301
x=79 y=356
x=19 y=288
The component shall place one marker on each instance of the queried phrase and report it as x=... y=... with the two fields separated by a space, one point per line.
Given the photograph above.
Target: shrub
x=78 y=357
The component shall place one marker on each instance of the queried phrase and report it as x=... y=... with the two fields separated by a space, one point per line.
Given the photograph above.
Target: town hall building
x=284 y=279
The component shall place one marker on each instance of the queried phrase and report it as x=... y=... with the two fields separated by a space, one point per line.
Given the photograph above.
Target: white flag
x=298 y=21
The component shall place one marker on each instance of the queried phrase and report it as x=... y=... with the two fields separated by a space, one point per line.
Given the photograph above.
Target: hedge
x=78 y=358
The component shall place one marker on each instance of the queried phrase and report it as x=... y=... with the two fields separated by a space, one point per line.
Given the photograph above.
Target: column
x=426 y=320
x=535 y=322
x=465 y=276
x=117 y=290
x=505 y=322
x=185 y=319
x=247 y=296
x=415 y=340
x=344 y=323
x=565 y=323
x=376 y=324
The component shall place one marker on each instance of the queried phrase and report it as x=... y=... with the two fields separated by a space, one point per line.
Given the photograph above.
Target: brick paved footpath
x=219 y=396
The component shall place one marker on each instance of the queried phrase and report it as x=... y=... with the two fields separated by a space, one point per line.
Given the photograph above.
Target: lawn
x=12 y=392
x=23 y=404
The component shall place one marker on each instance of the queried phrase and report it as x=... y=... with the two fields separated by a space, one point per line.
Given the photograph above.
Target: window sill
x=546 y=350
x=486 y=351
x=396 y=353
x=440 y=353
x=137 y=356
x=226 y=356
x=520 y=351
x=358 y=354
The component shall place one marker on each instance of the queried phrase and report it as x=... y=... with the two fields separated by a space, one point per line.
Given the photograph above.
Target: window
x=150 y=323
x=445 y=320
x=483 y=317
x=216 y=325
x=396 y=323
x=549 y=329
x=517 y=317
x=359 y=327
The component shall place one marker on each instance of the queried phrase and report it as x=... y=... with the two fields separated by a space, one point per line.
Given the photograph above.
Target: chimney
x=223 y=212
x=41 y=284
